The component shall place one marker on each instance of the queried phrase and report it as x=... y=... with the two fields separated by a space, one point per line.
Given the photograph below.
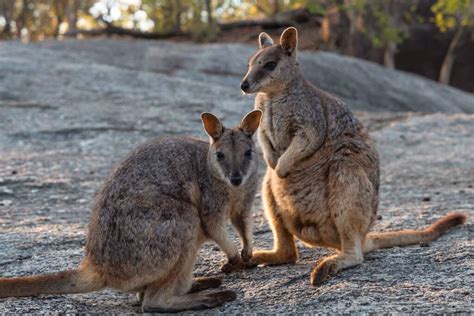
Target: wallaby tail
x=412 y=237
x=82 y=280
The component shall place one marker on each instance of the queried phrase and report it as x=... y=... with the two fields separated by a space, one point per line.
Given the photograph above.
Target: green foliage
x=450 y=14
x=380 y=24
x=386 y=30
x=382 y=21
x=315 y=7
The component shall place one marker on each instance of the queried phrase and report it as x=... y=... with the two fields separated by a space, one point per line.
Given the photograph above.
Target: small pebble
x=6 y=202
x=426 y=199
x=6 y=191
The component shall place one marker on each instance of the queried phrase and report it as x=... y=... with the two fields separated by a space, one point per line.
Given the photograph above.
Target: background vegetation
x=378 y=30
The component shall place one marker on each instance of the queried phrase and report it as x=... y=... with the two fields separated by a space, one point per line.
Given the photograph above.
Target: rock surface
x=70 y=110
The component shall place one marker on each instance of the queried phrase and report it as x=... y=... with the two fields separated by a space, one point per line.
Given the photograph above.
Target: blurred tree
x=38 y=19
x=455 y=16
x=72 y=11
x=59 y=8
x=177 y=15
x=7 y=8
x=384 y=22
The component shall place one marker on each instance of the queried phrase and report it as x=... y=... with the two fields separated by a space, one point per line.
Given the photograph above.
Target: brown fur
x=322 y=180
x=152 y=215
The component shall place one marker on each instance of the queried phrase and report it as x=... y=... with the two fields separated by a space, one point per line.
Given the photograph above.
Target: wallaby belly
x=302 y=201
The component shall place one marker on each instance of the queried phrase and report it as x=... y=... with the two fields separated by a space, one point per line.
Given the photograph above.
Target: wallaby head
x=273 y=66
x=232 y=155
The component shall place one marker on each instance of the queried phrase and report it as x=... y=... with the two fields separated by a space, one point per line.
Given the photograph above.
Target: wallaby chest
x=276 y=122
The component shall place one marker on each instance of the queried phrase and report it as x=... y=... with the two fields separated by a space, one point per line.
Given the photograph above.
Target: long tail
x=82 y=280
x=412 y=237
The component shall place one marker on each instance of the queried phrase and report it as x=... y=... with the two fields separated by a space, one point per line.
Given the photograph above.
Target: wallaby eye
x=220 y=155
x=248 y=154
x=270 y=66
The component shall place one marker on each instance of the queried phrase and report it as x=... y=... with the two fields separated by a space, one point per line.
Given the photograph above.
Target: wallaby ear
x=264 y=40
x=289 y=40
x=251 y=122
x=212 y=125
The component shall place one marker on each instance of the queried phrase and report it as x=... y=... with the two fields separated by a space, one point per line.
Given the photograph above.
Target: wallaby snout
x=236 y=179
x=244 y=86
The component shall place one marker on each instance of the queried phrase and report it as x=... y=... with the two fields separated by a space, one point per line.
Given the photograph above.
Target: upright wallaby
x=154 y=212
x=322 y=180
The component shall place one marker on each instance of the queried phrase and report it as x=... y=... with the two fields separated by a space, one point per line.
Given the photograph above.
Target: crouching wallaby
x=153 y=214
x=322 y=180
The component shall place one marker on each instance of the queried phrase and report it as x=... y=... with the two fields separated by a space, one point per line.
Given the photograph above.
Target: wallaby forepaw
x=281 y=171
x=246 y=254
x=271 y=161
x=232 y=265
x=323 y=272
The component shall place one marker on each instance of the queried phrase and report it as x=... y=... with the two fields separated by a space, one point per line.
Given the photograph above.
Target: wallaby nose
x=244 y=85
x=236 y=179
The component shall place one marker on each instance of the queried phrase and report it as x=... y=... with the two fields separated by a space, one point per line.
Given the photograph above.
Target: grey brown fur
x=322 y=180
x=154 y=212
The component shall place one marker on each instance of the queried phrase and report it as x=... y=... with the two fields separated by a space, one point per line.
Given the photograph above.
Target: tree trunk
x=447 y=65
x=57 y=29
x=209 y=13
x=59 y=12
x=276 y=7
x=8 y=7
x=21 y=20
x=115 y=30
x=389 y=55
x=177 y=17
x=352 y=18
x=71 y=14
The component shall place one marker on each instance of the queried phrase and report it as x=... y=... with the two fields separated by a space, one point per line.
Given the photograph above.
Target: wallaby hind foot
x=204 y=283
x=328 y=267
x=156 y=302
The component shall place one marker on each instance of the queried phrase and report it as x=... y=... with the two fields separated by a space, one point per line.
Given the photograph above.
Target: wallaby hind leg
x=350 y=199
x=350 y=256
x=172 y=296
x=284 y=249
x=198 y=285
x=204 y=283
x=161 y=299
